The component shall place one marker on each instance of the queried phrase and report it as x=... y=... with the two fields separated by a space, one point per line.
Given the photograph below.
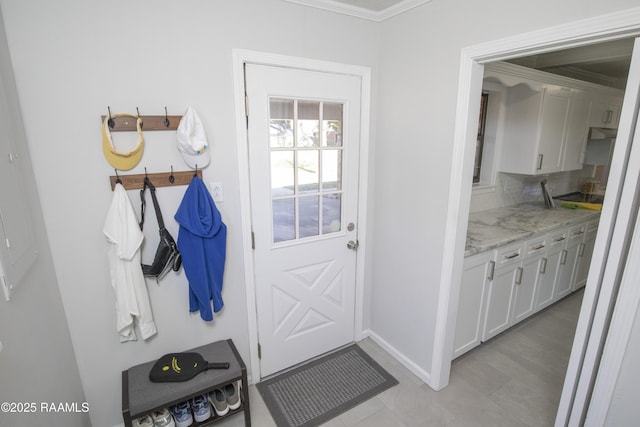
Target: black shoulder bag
x=167 y=255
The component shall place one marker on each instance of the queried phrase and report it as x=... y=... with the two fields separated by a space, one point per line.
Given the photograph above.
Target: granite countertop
x=498 y=227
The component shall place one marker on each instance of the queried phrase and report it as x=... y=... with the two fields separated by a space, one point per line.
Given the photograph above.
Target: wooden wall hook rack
x=128 y=124
x=136 y=182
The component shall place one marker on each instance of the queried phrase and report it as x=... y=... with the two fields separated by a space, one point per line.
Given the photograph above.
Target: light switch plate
x=216 y=192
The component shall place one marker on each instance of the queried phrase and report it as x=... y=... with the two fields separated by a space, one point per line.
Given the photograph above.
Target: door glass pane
x=308 y=123
x=282 y=178
x=332 y=125
x=284 y=220
x=281 y=123
x=331 y=213
x=331 y=170
x=309 y=216
x=308 y=171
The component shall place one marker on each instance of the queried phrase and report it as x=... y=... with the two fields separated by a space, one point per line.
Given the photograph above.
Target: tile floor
x=513 y=380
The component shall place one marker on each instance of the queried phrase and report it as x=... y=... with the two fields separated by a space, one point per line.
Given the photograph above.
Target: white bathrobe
x=132 y=298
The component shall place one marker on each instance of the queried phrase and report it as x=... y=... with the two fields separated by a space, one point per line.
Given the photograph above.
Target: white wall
x=37 y=363
x=418 y=85
x=74 y=58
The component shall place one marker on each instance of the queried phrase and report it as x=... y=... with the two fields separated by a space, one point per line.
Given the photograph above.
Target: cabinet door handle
x=492 y=270
x=581 y=249
x=563 y=257
x=540 y=157
x=519 y=275
x=512 y=256
x=609 y=116
x=537 y=248
x=543 y=266
x=559 y=239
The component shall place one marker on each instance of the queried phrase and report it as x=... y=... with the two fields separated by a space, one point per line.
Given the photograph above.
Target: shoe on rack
x=163 y=418
x=145 y=421
x=219 y=402
x=182 y=414
x=232 y=391
x=201 y=409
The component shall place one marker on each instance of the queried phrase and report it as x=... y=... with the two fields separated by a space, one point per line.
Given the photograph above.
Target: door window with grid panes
x=306 y=168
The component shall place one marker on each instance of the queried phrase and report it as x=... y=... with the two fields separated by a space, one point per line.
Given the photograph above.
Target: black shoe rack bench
x=142 y=397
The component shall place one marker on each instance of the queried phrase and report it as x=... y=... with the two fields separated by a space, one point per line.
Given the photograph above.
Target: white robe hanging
x=132 y=298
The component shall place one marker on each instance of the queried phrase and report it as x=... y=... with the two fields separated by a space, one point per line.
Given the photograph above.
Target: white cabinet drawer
x=576 y=232
x=535 y=246
x=557 y=238
x=509 y=255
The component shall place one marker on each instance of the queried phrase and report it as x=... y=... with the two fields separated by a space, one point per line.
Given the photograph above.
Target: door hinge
x=253 y=240
x=259 y=351
x=246 y=105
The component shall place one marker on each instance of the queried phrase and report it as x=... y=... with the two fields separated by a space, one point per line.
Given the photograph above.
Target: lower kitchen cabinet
x=501 y=289
x=550 y=269
x=527 y=277
x=583 y=258
x=478 y=272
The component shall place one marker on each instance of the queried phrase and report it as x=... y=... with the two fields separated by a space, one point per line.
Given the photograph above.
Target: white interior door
x=303 y=131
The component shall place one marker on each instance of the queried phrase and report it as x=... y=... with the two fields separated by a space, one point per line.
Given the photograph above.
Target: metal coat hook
x=145 y=172
x=166 y=118
x=138 y=111
x=110 y=122
x=196 y=172
x=118 y=180
x=171 y=177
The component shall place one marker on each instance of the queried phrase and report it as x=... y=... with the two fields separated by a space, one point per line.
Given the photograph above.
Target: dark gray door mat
x=321 y=389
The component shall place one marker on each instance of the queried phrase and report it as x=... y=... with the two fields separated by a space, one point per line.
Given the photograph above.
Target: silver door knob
x=353 y=245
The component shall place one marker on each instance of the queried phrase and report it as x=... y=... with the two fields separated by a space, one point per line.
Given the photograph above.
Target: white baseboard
x=399 y=356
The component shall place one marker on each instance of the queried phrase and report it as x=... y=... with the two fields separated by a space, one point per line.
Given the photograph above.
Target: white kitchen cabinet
x=478 y=272
x=568 y=257
x=606 y=111
x=526 y=279
x=577 y=130
x=534 y=129
x=550 y=268
x=584 y=254
x=501 y=288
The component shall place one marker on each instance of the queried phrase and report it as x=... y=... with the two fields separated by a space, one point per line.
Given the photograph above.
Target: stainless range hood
x=602 y=133
x=600 y=146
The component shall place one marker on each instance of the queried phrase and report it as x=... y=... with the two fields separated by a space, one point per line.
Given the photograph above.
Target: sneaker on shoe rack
x=182 y=414
x=144 y=421
x=163 y=418
x=219 y=402
x=201 y=409
x=232 y=391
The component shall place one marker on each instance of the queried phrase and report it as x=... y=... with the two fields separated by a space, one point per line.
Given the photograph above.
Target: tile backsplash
x=512 y=189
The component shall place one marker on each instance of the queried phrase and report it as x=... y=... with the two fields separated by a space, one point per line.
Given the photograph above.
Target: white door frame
x=608 y=27
x=241 y=57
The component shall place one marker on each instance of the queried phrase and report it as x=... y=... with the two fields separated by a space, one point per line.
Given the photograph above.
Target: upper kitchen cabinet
x=547 y=118
x=606 y=111
x=534 y=129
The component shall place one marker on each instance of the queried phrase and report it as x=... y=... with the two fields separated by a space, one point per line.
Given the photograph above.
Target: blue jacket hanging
x=202 y=240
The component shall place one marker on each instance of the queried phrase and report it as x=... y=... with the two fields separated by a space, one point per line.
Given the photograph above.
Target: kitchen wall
x=512 y=189
x=72 y=59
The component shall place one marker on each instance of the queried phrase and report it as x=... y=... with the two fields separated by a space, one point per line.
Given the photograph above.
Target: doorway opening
x=606 y=28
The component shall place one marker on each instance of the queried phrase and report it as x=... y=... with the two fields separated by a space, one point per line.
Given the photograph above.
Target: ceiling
x=374 y=10
x=603 y=63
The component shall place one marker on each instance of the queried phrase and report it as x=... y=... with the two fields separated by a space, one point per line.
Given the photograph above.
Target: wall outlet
x=216 y=191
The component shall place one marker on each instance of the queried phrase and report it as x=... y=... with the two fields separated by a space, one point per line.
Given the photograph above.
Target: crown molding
x=360 y=12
